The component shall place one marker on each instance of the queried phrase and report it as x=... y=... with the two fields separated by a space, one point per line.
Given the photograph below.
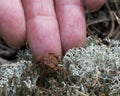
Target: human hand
x=49 y=26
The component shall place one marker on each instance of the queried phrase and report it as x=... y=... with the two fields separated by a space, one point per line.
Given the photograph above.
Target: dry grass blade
x=80 y=93
x=103 y=23
x=117 y=18
x=112 y=23
x=96 y=79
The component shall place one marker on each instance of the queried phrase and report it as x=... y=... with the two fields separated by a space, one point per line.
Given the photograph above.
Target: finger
x=12 y=22
x=94 y=5
x=42 y=27
x=71 y=19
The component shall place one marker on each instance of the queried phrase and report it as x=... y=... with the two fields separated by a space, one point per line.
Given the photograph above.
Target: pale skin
x=48 y=26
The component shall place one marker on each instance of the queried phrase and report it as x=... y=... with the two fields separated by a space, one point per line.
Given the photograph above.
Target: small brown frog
x=48 y=65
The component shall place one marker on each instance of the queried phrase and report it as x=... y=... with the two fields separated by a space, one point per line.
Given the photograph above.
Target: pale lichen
x=17 y=79
x=92 y=71
x=95 y=68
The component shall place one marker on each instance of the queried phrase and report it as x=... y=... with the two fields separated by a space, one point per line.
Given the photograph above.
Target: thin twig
x=8 y=65
x=80 y=93
x=98 y=21
x=117 y=33
x=117 y=18
x=112 y=23
x=117 y=7
x=96 y=79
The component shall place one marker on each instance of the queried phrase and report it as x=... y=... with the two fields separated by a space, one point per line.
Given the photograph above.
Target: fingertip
x=43 y=40
x=72 y=23
x=14 y=42
x=12 y=23
x=94 y=5
x=42 y=27
x=78 y=40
